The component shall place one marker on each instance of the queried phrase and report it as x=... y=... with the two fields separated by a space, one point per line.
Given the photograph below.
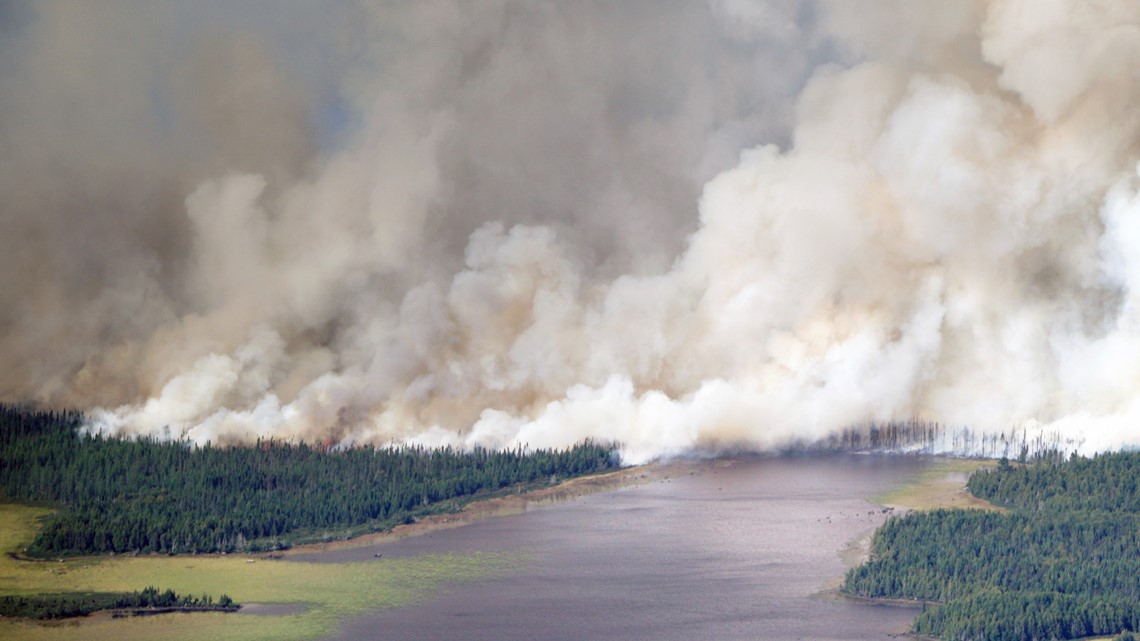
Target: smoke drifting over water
x=511 y=222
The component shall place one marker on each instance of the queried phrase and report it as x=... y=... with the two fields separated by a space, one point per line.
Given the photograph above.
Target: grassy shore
x=942 y=485
x=329 y=592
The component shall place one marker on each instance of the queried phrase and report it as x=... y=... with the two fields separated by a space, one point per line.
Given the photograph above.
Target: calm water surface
x=740 y=549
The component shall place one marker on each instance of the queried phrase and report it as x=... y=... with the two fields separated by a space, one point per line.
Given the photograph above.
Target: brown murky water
x=741 y=549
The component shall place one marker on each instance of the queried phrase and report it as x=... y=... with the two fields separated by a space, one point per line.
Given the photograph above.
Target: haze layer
x=676 y=225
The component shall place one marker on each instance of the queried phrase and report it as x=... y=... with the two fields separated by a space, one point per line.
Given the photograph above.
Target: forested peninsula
x=75 y=604
x=145 y=496
x=1062 y=561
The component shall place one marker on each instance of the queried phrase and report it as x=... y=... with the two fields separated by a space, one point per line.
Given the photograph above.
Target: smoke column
x=681 y=226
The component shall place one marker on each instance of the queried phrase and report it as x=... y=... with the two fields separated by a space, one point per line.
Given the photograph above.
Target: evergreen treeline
x=142 y=495
x=77 y=604
x=1063 y=563
x=1105 y=483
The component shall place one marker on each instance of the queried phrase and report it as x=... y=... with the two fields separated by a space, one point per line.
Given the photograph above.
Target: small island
x=46 y=607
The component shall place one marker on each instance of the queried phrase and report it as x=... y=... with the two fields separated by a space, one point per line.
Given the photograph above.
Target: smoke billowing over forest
x=678 y=225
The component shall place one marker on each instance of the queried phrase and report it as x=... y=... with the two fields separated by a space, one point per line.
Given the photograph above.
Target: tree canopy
x=120 y=495
x=1062 y=563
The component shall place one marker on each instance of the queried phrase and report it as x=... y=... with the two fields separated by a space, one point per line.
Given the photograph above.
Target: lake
x=745 y=548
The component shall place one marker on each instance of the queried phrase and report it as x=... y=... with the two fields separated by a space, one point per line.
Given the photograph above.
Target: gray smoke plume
x=676 y=225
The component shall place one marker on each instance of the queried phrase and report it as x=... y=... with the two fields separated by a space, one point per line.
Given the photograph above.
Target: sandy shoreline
x=942 y=487
x=497 y=506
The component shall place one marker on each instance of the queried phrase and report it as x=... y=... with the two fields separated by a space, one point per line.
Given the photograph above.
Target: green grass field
x=330 y=592
x=942 y=485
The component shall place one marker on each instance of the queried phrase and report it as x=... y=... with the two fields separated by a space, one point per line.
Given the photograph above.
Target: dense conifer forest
x=119 y=495
x=1062 y=563
x=77 y=604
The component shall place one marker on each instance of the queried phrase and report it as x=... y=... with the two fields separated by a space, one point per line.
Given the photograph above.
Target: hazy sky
x=675 y=224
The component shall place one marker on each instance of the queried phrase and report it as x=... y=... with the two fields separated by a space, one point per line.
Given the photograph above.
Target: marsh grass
x=329 y=591
x=942 y=485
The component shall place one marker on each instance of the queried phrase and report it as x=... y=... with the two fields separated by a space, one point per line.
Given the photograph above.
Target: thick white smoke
x=948 y=230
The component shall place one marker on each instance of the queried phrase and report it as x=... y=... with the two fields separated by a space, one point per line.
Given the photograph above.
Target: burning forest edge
x=142 y=495
x=930 y=437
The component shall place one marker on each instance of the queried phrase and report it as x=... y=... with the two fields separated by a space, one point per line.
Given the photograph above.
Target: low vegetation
x=101 y=510
x=322 y=594
x=942 y=484
x=1061 y=562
